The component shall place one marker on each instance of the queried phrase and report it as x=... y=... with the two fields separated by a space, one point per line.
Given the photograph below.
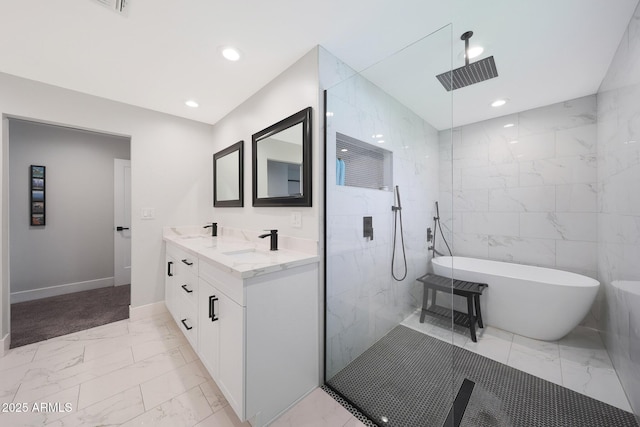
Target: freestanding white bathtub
x=536 y=302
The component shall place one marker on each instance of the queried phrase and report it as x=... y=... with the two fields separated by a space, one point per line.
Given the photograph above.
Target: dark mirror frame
x=238 y=146
x=303 y=117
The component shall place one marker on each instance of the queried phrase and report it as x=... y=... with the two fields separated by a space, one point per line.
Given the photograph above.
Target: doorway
x=71 y=259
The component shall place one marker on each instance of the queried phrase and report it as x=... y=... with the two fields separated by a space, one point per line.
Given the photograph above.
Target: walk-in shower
x=520 y=189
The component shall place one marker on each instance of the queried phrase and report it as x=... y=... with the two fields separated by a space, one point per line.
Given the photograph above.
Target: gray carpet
x=411 y=379
x=39 y=320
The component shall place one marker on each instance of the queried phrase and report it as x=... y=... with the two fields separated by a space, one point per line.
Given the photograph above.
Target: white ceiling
x=165 y=51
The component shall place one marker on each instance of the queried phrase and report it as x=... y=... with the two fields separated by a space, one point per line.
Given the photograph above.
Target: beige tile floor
x=144 y=373
x=129 y=373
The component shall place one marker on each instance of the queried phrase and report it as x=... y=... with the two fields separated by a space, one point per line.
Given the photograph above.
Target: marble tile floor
x=128 y=373
x=578 y=361
x=144 y=372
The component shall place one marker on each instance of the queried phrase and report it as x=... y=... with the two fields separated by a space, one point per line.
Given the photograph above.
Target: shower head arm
x=466 y=36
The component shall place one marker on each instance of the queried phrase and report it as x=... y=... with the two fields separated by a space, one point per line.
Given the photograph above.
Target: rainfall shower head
x=477 y=72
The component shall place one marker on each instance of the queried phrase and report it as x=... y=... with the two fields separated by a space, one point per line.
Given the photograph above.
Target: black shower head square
x=475 y=72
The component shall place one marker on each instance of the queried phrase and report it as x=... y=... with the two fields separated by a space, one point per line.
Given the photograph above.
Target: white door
x=122 y=222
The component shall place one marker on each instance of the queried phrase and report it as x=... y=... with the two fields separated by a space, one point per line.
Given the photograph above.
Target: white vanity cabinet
x=257 y=333
x=221 y=338
x=181 y=291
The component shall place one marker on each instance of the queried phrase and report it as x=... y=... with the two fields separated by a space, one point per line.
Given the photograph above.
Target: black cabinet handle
x=187 y=262
x=169 y=269
x=185 y=289
x=184 y=322
x=118 y=228
x=212 y=308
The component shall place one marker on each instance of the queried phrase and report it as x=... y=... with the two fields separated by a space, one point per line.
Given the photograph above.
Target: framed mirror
x=281 y=162
x=227 y=177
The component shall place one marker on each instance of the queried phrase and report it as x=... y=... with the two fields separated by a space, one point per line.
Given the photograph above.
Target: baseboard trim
x=52 y=291
x=4 y=345
x=146 y=311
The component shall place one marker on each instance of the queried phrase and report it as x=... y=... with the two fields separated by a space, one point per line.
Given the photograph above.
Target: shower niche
x=360 y=164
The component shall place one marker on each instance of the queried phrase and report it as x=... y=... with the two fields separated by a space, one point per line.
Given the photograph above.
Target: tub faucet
x=274 y=238
x=435 y=251
x=214 y=228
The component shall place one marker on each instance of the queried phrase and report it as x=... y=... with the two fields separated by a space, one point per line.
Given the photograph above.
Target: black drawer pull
x=185 y=289
x=184 y=322
x=187 y=262
x=169 y=269
x=212 y=308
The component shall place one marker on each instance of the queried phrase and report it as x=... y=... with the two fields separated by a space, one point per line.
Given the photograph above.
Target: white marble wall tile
x=476 y=200
x=533 y=147
x=561 y=225
x=576 y=198
x=576 y=141
x=363 y=299
x=497 y=223
x=618 y=200
x=494 y=176
x=186 y=410
x=574 y=254
x=563 y=115
x=523 y=199
x=523 y=250
x=471 y=155
x=563 y=170
x=469 y=245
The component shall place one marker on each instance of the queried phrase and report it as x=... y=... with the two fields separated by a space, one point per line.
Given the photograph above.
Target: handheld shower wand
x=437 y=224
x=397 y=211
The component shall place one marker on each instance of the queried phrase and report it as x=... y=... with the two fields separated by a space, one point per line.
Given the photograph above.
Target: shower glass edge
x=373 y=333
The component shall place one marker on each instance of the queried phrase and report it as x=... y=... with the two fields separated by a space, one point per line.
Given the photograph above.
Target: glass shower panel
x=388 y=161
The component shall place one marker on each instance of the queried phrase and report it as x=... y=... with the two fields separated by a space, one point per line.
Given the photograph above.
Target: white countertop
x=240 y=257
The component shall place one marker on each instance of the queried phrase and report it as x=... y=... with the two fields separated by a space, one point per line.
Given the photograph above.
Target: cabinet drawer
x=186 y=285
x=225 y=282
x=188 y=320
x=185 y=262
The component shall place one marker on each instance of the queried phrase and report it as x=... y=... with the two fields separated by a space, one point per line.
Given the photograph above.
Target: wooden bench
x=469 y=290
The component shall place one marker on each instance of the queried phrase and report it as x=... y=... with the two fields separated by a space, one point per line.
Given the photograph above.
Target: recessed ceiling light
x=509 y=125
x=380 y=141
x=377 y=135
x=191 y=103
x=475 y=51
x=231 y=53
x=515 y=141
x=498 y=102
x=344 y=150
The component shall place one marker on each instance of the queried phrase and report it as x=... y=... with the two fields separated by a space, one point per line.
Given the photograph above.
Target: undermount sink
x=250 y=254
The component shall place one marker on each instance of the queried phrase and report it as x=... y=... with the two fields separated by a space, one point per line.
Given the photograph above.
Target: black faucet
x=274 y=239
x=214 y=228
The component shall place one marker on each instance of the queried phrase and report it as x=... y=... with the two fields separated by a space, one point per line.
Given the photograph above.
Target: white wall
x=75 y=248
x=526 y=193
x=171 y=161
x=619 y=210
x=293 y=90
